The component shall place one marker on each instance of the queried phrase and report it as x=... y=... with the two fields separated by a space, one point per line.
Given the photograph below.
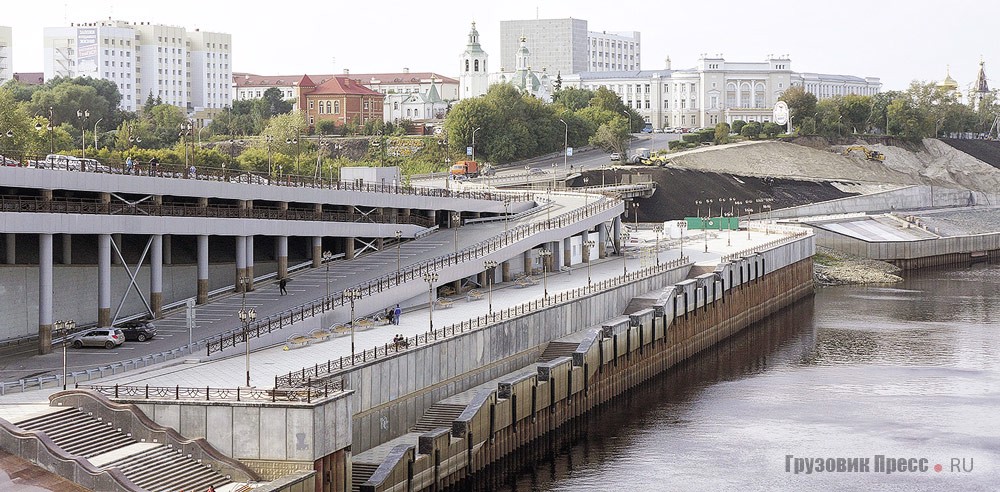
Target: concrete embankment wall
x=615 y=355
x=910 y=255
x=909 y=198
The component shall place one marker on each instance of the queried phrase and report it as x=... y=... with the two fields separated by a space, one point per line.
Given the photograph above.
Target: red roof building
x=340 y=99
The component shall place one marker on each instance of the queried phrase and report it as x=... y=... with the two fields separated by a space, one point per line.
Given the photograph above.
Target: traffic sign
x=468 y=151
x=569 y=151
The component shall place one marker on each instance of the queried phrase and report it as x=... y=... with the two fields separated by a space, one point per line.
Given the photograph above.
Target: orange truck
x=465 y=168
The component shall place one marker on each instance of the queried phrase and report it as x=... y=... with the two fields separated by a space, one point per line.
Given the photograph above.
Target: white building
x=565 y=46
x=715 y=90
x=523 y=77
x=474 y=79
x=6 y=55
x=189 y=70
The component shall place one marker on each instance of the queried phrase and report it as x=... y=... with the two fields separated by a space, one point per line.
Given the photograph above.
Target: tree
x=611 y=136
x=801 y=104
x=738 y=126
x=751 y=130
x=771 y=129
x=856 y=111
x=573 y=99
x=275 y=103
x=326 y=127
x=722 y=133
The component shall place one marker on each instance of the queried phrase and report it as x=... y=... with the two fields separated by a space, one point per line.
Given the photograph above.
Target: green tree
x=722 y=133
x=573 y=99
x=611 y=136
x=275 y=103
x=856 y=111
x=771 y=129
x=801 y=104
x=738 y=126
x=751 y=130
x=326 y=127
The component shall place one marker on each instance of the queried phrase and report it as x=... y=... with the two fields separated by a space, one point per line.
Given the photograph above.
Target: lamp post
x=185 y=130
x=327 y=256
x=722 y=202
x=565 y=142
x=635 y=212
x=270 y=167
x=430 y=278
x=586 y=195
x=749 y=211
x=246 y=317
x=98 y=122
x=352 y=295
x=399 y=236
x=624 y=239
x=697 y=204
x=51 y=128
x=658 y=228
x=294 y=141
x=506 y=214
x=708 y=205
x=527 y=175
x=590 y=245
x=83 y=115
x=474 y=141
x=65 y=327
x=545 y=255
x=704 y=228
x=729 y=228
x=554 y=165
x=768 y=208
x=490 y=267
x=456 y=219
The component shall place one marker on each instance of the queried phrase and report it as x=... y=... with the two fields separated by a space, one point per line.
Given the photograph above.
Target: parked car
x=537 y=170
x=7 y=161
x=139 y=330
x=615 y=156
x=101 y=337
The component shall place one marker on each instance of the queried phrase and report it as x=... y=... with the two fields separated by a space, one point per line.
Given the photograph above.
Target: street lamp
x=506 y=213
x=490 y=267
x=270 y=167
x=399 y=236
x=589 y=245
x=704 y=228
x=545 y=255
x=708 y=205
x=456 y=219
x=729 y=228
x=586 y=195
x=83 y=115
x=430 y=278
x=327 y=256
x=635 y=212
x=185 y=130
x=565 y=142
x=295 y=141
x=246 y=317
x=697 y=204
x=658 y=228
x=352 y=295
x=474 y=141
x=749 y=211
x=66 y=327
x=624 y=239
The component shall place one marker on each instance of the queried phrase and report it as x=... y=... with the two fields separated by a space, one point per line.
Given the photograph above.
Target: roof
x=343 y=84
x=243 y=79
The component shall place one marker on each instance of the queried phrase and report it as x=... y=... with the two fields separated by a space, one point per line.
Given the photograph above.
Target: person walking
x=153 y=162
x=281 y=286
x=390 y=314
x=396 y=313
x=128 y=165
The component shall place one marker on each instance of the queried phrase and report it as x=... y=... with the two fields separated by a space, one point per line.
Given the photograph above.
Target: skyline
x=876 y=39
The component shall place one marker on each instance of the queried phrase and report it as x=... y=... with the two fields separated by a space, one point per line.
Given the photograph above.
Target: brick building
x=340 y=99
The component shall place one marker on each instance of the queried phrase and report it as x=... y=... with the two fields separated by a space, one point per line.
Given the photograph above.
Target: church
x=475 y=78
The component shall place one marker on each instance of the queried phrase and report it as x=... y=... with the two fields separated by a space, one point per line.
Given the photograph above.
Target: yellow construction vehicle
x=871 y=155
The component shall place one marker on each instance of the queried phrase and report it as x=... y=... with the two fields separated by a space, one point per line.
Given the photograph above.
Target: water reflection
x=910 y=370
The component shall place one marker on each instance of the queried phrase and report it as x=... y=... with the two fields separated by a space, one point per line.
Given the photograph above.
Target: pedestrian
x=153 y=161
x=281 y=286
x=191 y=172
x=390 y=314
x=396 y=314
x=128 y=165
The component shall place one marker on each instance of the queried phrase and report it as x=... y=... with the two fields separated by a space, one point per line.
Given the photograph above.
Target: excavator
x=871 y=155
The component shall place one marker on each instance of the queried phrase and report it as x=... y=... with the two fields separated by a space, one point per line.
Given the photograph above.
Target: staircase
x=150 y=466
x=437 y=416
x=360 y=473
x=556 y=350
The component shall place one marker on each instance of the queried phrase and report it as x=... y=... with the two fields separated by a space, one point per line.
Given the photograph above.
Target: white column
x=104 y=280
x=44 y=293
x=156 y=275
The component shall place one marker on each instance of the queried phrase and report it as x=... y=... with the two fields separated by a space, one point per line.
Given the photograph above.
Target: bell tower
x=474 y=78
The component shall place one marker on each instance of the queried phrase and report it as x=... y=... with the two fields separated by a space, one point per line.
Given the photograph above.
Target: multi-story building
x=6 y=55
x=716 y=90
x=191 y=70
x=340 y=99
x=472 y=65
x=565 y=46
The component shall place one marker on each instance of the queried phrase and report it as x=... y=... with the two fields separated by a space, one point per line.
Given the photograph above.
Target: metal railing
x=306 y=393
x=768 y=245
x=414 y=272
x=96 y=206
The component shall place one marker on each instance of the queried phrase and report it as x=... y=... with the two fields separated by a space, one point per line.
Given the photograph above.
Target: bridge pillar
x=585 y=251
x=457 y=285
x=379 y=243
x=67 y=249
x=505 y=271
x=44 y=293
x=432 y=215
x=249 y=266
x=10 y=247
x=318 y=209
x=348 y=248
x=568 y=252
x=406 y=215
x=202 y=297
x=527 y=262
x=117 y=259
x=555 y=259
x=104 y=280
x=602 y=241
x=241 y=262
x=156 y=276
x=168 y=257
x=317 y=251
x=283 y=206
x=616 y=229
x=158 y=199
x=482 y=278
x=281 y=247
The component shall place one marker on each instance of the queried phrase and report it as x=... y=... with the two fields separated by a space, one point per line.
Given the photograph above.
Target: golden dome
x=948 y=83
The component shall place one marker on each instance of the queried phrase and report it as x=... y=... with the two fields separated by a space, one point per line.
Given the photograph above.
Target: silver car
x=108 y=338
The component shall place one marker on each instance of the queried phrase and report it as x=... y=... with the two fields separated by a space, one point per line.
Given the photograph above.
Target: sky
x=897 y=41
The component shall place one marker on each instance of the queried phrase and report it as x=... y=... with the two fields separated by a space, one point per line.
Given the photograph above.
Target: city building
x=340 y=99
x=715 y=90
x=565 y=46
x=474 y=79
x=6 y=54
x=523 y=77
x=189 y=69
x=980 y=88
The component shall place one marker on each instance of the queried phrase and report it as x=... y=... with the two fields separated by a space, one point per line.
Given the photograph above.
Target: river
x=907 y=371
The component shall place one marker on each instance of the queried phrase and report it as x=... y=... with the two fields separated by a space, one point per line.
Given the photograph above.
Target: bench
x=298 y=340
x=474 y=295
x=320 y=335
x=443 y=303
x=526 y=281
x=447 y=290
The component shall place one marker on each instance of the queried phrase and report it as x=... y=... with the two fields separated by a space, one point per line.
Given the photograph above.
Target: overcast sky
x=898 y=41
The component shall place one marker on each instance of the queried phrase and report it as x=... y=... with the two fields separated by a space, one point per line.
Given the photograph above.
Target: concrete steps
x=164 y=468
x=360 y=473
x=78 y=433
x=437 y=416
x=555 y=350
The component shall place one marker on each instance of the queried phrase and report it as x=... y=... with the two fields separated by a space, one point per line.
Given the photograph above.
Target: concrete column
x=482 y=278
x=250 y=262
x=115 y=259
x=105 y=199
x=585 y=251
x=555 y=259
x=348 y=248
x=158 y=199
x=67 y=249
x=379 y=243
x=168 y=257
x=616 y=229
x=568 y=251
x=457 y=285
x=505 y=271
x=10 y=240
x=156 y=276
x=317 y=251
x=104 y=280
x=432 y=215
x=202 y=269
x=281 y=247
x=241 y=261
x=44 y=293
x=318 y=209
x=527 y=262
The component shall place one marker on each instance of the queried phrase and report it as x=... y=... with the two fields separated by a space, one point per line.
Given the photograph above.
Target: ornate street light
x=456 y=219
x=545 y=255
x=246 y=317
x=659 y=229
x=490 y=267
x=399 y=236
x=430 y=278
x=625 y=236
x=327 y=257
x=589 y=245
x=352 y=295
x=83 y=115
x=66 y=327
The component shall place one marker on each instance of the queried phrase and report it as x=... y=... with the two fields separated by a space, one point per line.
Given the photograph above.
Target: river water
x=907 y=371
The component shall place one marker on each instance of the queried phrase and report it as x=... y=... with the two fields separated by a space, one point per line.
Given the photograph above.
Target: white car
x=615 y=156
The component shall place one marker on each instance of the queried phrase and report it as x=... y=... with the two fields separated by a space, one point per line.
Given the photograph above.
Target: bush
x=722 y=133
x=675 y=144
x=738 y=126
x=691 y=138
x=706 y=135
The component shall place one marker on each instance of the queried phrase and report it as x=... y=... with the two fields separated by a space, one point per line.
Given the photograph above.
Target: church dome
x=948 y=83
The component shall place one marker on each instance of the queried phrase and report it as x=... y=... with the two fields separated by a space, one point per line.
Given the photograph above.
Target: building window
x=311 y=105
x=731 y=95
x=476 y=63
x=466 y=65
x=745 y=95
x=336 y=107
x=366 y=104
x=329 y=107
